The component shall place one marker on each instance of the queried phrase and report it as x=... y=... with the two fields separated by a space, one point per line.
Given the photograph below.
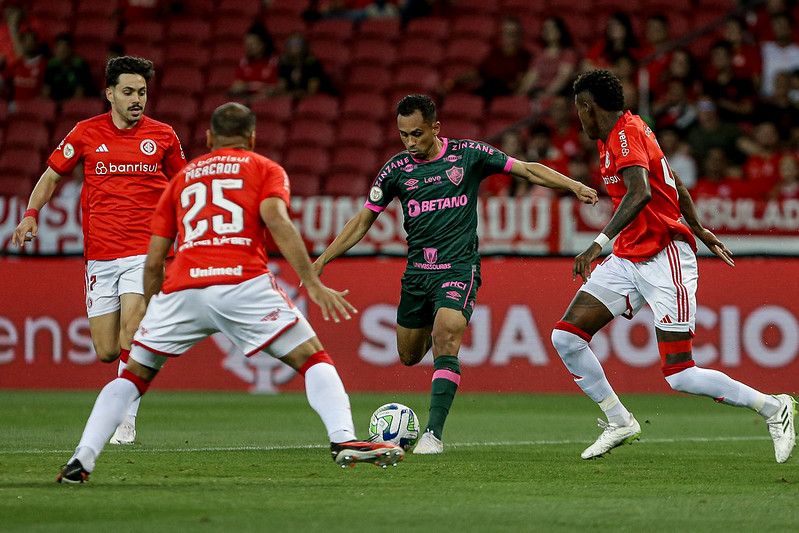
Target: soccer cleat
x=612 y=436
x=73 y=472
x=377 y=453
x=429 y=444
x=781 y=427
x=125 y=433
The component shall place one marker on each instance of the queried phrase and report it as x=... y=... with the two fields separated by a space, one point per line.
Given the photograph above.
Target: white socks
x=109 y=410
x=133 y=410
x=327 y=397
x=582 y=363
x=722 y=388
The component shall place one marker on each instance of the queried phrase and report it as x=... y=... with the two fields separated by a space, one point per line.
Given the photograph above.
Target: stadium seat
x=305 y=184
x=387 y=29
x=360 y=133
x=230 y=27
x=323 y=107
x=347 y=184
x=189 y=55
x=99 y=8
x=277 y=108
x=60 y=130
x=417 y=79
x=52 y=9
x=364 y=105
x=358 y=159
x=369 y=78
x=153 y=52
x=334 y=55
x=99 y=30
x=462 y=105
x=169 y=107
x=183 y=80
x=474 y=27
x=431 y=28
x=495 y=125
x=270 y=134
x=371 y=52
x=82 y=108
x=281 y=26
x=21 y=167
x=148 y=31
x=26 y=133
x=310 y=132
x=514 y=106
x=522 y=7
x=419 y=51
x=484 y=8
x=208 y=105
x=238 y=8
x=12 y=183
x=461 y=128
x=303 y=159
x=219 y=77
x=465 y=51
x=338 y=28
x=41 y=110
x=198 y=8
x=189 y=29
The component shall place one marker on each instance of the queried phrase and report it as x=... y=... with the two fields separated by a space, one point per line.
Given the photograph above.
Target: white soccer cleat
x=781 y=427
x=612 y=436
x=125 y=433
x=429 y=444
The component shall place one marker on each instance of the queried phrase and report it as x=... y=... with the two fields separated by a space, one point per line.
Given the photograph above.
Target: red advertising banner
x=531 y=225
x=747 y=326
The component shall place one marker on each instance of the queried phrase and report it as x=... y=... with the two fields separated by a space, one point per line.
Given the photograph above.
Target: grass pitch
x=238 y=462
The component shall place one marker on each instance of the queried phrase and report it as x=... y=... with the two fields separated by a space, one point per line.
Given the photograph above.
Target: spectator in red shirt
x=780 y=108
x=554 y=65
x=619 y=40
x=761 y=169
x=257 y=72
x=746 y=53
x=26 y=74
x=718 y=179
x=565 y=133
x=657 y=37
x=735 y=96
x=788 y=184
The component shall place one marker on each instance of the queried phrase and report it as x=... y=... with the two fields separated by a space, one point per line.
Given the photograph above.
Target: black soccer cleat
x=378 y=453
x=73 y=472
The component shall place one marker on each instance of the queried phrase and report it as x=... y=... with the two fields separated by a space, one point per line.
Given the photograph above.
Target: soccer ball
x=395 y=423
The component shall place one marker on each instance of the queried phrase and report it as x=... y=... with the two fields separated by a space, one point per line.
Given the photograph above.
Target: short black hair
x=232 y=120
x=604 y=86
x=127 y=65
x=418 y=102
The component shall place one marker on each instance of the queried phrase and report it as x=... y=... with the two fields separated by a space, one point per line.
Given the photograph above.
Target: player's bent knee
x=410 y=358
x=568 y=341
x=108 y=356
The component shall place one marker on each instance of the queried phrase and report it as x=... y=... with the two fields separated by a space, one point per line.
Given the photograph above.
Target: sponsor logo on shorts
x=271 y=317
x=430 y=254
x=453 y=295
x=215 y=271
x=457 y=284
x=148 y=147
x=143 y=330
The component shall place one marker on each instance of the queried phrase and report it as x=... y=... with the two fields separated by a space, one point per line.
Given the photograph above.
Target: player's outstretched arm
x=154 y=266
x=350 y=235
x=28 y=226
x=276 y=217
x=688 y=210
x=539 y=174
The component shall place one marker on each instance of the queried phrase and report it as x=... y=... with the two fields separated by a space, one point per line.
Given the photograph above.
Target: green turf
x=239 y=463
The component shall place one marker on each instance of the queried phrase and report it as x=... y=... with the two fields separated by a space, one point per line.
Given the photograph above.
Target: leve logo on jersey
x=102 y=148
x=455 y=175
x=148 y=147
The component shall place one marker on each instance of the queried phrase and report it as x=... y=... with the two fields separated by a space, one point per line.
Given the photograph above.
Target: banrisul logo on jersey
x=101 y=168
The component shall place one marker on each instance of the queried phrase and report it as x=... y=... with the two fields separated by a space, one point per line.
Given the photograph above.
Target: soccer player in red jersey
x=217 y=209
x=654 y=262
x=127 y=161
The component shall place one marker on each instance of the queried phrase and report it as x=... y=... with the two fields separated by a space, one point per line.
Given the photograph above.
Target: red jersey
x=632 y=143
x=125 y=172
x=213 y=209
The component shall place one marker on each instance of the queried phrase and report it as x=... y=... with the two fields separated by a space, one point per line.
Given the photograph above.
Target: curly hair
x=604 y=86
x=413 y=102
x=127 y=65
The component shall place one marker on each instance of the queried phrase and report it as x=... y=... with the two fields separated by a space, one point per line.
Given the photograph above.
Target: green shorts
x=423 y=293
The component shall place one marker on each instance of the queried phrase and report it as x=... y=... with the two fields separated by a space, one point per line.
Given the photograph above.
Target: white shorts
x=253 y=314
x=107 y=280
x=667 y=282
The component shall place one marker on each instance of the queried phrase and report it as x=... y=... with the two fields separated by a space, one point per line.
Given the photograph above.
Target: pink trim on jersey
x=673 y=254
x=270 y=341
x=509 y=164
x=154 y=351
x=574 y=330
x=445 y=143
x=372 y=207
x=448 y=375
x=468 y=292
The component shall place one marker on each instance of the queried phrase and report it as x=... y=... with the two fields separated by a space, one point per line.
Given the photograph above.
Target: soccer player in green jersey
x=436 y=180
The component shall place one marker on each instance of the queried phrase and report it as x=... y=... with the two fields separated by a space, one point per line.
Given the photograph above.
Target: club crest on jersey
x=376 y=194
x=607 y=159
x=455 y=175
x=148 y=147
x=69 y=151
x=430 y=255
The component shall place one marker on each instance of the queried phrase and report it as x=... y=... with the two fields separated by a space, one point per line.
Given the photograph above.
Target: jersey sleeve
x=628 y=147
x=381 y=192
x=68 y=154
x=164 y=222
x=275 y=183
x=494 y=161
x=174 y=158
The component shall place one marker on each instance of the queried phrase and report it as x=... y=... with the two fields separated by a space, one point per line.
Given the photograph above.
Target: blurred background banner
x=747 y=326
x=529 y=225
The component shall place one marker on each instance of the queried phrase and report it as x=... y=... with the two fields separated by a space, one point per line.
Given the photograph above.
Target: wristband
x=602 y=240
x=32 y=213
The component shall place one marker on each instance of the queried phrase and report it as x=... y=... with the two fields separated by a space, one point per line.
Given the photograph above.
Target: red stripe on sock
x=669 y=370
x=124 y=355
x=319 y=357
x=140 y=383
x=674 y=347
x=574 y=330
